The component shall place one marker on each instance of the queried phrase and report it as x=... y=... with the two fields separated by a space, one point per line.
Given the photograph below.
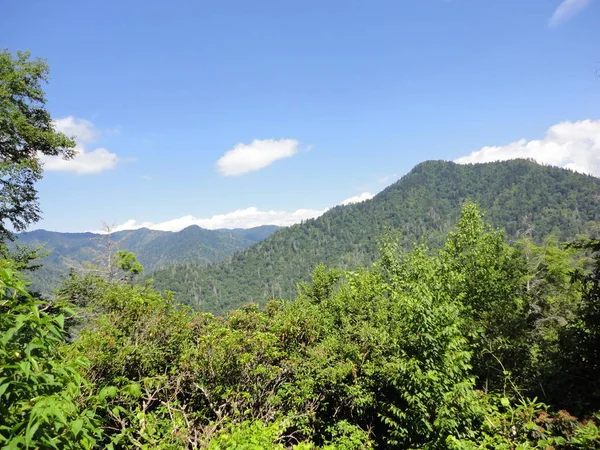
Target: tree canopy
x=26 y=131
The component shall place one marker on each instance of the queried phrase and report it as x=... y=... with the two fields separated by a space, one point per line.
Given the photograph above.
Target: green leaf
x=30 y=432
x=108 y=392
x=60 y=319
x=76 y=426
x=134 y=389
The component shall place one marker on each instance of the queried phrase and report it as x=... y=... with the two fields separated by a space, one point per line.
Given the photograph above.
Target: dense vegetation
x=521 y=197
x=481 y=344
x=154 y=249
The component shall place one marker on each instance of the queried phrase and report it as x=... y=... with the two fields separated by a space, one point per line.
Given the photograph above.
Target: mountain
x=255 y=234
x=519 y=196
x=154 y=249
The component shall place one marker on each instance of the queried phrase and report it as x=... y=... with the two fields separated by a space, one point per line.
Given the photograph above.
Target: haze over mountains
x=154 y=249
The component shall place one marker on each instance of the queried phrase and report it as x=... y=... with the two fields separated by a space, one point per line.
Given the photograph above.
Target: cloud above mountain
x=571 y=145
x=358 y=198
x=244 y=158
x=240 y=218
x=85 y=161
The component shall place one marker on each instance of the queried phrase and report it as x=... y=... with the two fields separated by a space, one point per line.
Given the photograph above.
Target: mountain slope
x=256 y=234
x=154 y=249
x=519 y=196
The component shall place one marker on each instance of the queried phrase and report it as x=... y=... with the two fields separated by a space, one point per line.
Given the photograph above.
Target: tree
x=580 y=340
x=485 y=274
x=128 y=263
x=26 y=132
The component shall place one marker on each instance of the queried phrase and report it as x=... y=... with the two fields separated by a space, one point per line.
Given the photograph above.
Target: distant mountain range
x=519 y=196
x=154 y=249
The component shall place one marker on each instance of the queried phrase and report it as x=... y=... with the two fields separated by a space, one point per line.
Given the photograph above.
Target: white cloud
x=358 y=198
x=128 y=225
x=566 y=10
x=240 y=218
x=387 y=178
x=80 y=129
x=244 y=158
x=572 y=145
x=84 y=162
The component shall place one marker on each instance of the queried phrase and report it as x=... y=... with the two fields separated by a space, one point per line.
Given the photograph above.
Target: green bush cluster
x=481 y=344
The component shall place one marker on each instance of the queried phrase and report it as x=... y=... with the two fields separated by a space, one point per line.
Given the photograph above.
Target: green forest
x=60 y=252
x=521 y=197
x=459 y=309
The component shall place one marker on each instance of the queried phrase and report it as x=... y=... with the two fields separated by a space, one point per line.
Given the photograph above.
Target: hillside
x=155 y=249
x=519 y=196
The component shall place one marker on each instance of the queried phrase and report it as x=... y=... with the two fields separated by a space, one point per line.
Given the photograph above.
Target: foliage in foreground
x=43 y=396
x=465 y=348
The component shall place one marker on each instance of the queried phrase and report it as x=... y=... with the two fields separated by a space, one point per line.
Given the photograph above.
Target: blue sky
x=236 y=113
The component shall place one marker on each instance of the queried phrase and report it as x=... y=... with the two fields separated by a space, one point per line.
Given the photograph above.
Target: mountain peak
x=517 y=195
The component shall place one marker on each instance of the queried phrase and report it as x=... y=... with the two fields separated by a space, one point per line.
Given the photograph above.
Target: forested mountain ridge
x=155 y=249
x=255 y=234
x=519 y=196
